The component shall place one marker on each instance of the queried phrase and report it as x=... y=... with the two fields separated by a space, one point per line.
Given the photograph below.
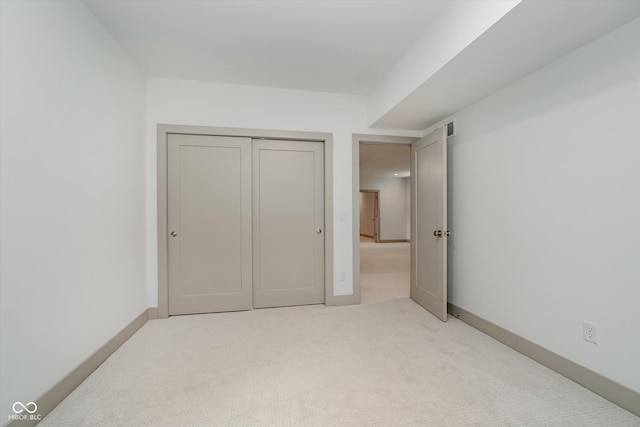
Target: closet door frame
x=164 y=130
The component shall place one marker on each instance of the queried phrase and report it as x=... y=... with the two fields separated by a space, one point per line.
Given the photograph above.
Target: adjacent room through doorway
x=384 y=222
x=384 y=271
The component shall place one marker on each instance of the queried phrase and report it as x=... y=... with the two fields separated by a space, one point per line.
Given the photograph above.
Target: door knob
x=174 y=234
x=319 y=231
x=437 y=233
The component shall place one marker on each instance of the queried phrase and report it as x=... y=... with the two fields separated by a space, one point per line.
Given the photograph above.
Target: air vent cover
x=451 y=128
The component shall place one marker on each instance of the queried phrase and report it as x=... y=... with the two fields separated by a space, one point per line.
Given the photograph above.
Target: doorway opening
x=370 y=214
x=383 y=204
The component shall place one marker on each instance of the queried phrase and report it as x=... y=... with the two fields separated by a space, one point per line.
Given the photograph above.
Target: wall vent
x=451 y=129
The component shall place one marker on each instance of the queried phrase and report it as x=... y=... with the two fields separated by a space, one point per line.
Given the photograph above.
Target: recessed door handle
x=174 y=234
x=437 y=233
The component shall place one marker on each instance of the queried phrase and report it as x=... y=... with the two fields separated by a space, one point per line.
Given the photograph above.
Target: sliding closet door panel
x=209 y=224
x=287 y=219
x=288 y=223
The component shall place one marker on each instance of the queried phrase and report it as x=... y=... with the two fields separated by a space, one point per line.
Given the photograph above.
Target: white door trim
x=163 y=130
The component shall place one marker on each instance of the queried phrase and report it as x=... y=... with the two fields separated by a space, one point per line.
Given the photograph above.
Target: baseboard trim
x=153 y=313
x=610 y=390
x=345 y=300
x=386 y=241
x=56 y=394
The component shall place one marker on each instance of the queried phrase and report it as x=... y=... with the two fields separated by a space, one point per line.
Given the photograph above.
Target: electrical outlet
x=590 y=332
x=343 y=276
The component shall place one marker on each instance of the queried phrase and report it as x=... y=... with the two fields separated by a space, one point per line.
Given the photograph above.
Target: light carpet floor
x=385 y=362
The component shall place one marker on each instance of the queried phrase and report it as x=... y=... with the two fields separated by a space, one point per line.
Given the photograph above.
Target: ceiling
x=333 y=46
x=354 y=46
x=384 y=160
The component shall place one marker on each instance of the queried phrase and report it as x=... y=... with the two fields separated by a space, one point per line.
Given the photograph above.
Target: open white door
x=429 y=223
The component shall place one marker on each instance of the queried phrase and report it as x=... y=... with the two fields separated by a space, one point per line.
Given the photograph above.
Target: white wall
x=72 y=193
x=183 y=102
x=393 y=205
x=544 y=206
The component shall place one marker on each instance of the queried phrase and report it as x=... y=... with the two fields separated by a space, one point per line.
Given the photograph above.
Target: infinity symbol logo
x=22 y=407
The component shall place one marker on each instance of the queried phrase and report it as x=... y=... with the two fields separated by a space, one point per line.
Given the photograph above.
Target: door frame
x=164 y=130
x=357 y=139
x=376 y=209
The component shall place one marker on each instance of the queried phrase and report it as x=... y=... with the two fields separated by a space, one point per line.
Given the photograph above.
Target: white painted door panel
x=209 y=213
x=288 y=223
x=429 y=223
